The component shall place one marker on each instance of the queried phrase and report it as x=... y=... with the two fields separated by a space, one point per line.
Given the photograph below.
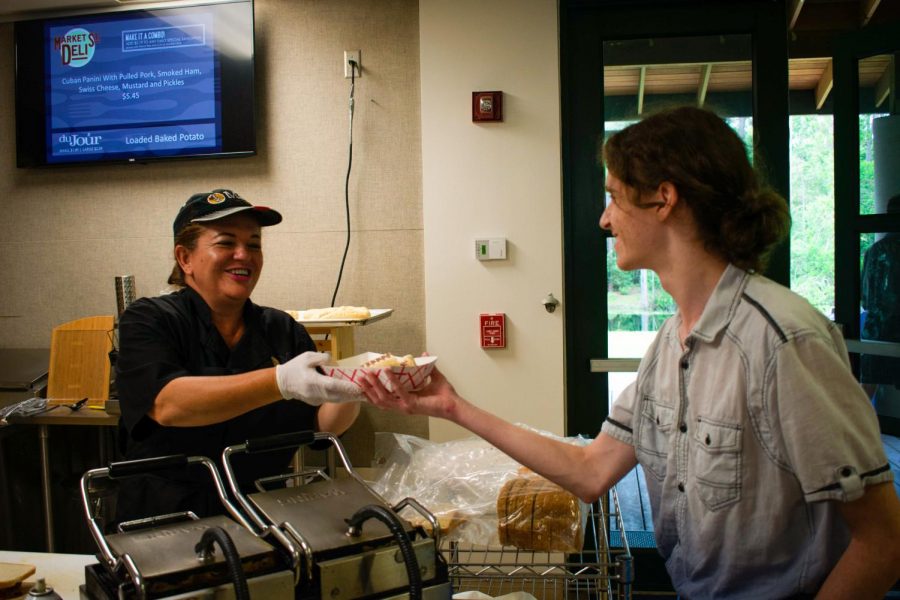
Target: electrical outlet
x=348 y=68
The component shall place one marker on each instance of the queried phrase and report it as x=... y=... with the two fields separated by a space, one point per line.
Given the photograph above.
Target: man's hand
x=437 y=399
x=299 y=379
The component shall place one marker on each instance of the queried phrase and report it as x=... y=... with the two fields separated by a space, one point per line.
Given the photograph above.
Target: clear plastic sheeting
x=460 y=482
x=25 y=408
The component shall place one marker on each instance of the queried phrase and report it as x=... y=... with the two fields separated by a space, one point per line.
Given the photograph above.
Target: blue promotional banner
x=142 y=84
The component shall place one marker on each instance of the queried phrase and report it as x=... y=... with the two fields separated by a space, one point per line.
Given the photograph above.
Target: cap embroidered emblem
x=216 y=198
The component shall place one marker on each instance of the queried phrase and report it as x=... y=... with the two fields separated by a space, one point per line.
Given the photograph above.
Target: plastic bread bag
x=536 y=514
x=459 y=481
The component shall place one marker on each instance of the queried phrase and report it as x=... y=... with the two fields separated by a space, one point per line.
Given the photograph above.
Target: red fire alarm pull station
x=487 y=106
x=493 y=330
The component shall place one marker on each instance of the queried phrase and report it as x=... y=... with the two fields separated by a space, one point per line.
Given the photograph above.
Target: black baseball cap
x=218 y=204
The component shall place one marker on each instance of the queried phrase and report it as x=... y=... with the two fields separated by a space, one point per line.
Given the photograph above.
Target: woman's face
x=634 y=227
x=226 y=263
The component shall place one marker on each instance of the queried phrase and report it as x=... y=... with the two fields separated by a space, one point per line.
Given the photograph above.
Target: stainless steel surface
x=124 y=292
x=108 y=548
x=45 y=486
x=274 y=586
x=310 y=520
x=440 y=591
x=318 y=510
x=23 y=368
x=374 y=572
x=168 y=551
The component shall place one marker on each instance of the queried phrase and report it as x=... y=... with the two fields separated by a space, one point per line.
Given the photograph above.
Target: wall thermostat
x=490 y=249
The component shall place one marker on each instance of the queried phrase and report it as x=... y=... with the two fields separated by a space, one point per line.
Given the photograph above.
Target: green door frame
x=848 y=223
x=584 y=26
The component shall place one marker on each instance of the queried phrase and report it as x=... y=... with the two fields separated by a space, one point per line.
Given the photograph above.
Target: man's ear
x=183 y=257
x=668 y=194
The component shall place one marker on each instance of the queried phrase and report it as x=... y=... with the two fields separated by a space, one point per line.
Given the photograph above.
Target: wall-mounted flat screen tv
x=134 y=86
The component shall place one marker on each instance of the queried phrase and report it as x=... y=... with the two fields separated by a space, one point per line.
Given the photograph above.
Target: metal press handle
x=280 y=441
x=143 y=465
x=128 y=468
x=276 y=442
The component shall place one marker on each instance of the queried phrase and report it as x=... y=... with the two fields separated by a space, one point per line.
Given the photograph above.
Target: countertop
x=63 y=572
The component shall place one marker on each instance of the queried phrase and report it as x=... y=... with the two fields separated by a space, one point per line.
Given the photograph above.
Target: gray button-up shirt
x=745 y=434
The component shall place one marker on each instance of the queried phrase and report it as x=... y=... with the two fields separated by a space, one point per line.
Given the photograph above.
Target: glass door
x=619 y=62
x=867 y=212
x=640 y=75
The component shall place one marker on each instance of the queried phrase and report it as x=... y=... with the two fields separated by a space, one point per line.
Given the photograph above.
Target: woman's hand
x=437 y=399
x=300 y=379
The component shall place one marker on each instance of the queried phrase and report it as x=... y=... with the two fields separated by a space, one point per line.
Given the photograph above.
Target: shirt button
x=680 y=487
x=684 y=364
x=683 y=428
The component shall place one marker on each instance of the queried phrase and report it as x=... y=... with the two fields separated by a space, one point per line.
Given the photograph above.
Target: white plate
x=376 y=314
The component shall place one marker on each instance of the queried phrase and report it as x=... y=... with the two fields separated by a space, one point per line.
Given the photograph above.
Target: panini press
x=343 y=541
x=174 y=556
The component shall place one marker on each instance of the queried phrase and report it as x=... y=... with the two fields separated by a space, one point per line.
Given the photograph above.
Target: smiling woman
x=225 y=261
x=205 y=367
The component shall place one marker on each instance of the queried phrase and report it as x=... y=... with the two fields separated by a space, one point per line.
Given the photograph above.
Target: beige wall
x=67 y=232
x=496 y=180
x=426 y=182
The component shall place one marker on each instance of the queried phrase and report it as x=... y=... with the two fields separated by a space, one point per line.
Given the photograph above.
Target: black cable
x=232 y=558
x=347 y=182
x=396 y=527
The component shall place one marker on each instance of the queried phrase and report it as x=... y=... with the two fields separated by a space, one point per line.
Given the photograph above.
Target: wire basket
x=598 y=572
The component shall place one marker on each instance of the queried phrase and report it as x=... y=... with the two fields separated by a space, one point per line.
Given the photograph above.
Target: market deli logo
x=76 y=48
x=80 y=140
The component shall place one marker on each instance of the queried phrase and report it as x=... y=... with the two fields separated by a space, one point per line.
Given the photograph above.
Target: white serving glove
x=299 y=379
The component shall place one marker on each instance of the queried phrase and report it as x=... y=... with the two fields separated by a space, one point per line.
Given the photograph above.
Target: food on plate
x=332 y=313
x=387 y=359
x=536 y=514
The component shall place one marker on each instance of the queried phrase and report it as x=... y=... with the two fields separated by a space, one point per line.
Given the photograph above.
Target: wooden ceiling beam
x=640 y=95
x=823 y=87
x=867 y=8
x=705 y=72
x=884 y=85
x=794 y=9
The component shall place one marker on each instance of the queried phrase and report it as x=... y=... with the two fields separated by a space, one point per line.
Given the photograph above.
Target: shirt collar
x=205 y=314
x=723 y=302
x=200 y=306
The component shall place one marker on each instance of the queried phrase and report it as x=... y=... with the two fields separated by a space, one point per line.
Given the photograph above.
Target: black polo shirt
x=172 y=336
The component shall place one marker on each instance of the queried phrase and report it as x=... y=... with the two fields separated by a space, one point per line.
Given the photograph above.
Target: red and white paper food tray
x=411 y=378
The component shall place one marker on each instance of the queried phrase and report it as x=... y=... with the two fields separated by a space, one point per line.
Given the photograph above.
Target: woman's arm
x=588 y=472
x=203 y=400
x=871 y=563
x=337 y=418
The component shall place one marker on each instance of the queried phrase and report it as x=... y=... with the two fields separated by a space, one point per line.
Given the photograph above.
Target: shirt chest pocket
x=716 y=458
x=655 y=430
